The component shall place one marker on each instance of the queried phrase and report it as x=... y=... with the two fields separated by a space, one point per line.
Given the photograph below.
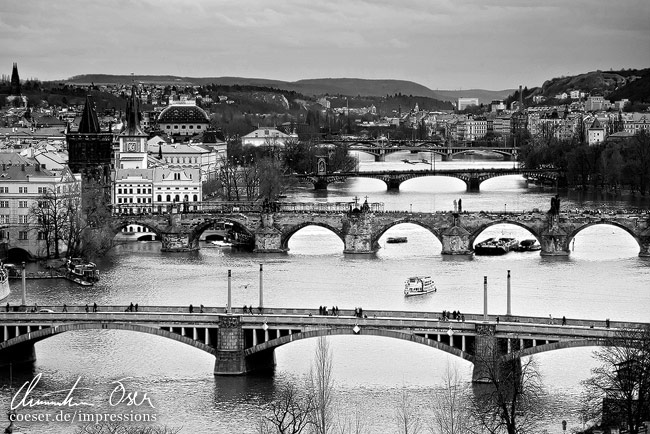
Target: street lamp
x=505 y=208
x=411 y=208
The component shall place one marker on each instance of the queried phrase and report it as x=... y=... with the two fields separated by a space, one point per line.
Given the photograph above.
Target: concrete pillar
x=207 y=336
x=474 y=184
x=320 y=183
x=230 y=347
x=644 y=243
x=266 y=335
x=195 y=333
x=509 y=298
x=447 y=157
x=463 y=346
x=393 y=184
x=486 y=352
x=254 y=337
x=18 y=354
x=485 y=299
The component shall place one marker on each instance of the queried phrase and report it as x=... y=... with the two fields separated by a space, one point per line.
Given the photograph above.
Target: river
x=602 y=278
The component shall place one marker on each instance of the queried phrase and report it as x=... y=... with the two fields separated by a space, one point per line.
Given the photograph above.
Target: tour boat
x=220 y=243
x=528 y=246
x=82 y=270
x=4 y=283
x=418 y=285
x=394 y=240
x=495 y=246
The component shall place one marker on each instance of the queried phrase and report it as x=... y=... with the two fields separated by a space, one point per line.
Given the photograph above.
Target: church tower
x=133 y=141
x=15 y=81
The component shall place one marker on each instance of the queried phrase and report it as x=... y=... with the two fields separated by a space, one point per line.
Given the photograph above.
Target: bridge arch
x=578 y=343
x=39 y=335
x=614 y=223
x=474 y=235
x=286 y=235
x=347 y=330
x=404 y=220
x=207 y=224
x=121 y=224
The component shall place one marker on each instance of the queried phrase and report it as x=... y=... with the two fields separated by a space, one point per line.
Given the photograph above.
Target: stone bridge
x=380 y=148
x=242 y=343
x=270 y=232
x=393 y=178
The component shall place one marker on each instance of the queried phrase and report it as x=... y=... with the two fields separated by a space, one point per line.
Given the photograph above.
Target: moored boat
x=495 y=246
x=394 y=240
x=419 y=285
x=84 y=271
x=220 y=243
x=4 y=283
x=528 y=246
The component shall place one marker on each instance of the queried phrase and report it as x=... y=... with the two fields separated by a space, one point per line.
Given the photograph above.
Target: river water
x=602 y=278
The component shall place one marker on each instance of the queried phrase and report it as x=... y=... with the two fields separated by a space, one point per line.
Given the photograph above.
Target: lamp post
x=505 y=208
x=24 y=300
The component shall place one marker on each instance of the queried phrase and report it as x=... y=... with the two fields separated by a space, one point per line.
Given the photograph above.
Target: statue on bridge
x=555 y=209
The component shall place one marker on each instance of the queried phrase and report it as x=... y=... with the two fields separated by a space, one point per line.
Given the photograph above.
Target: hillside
x=309 y=87
x=631 y=84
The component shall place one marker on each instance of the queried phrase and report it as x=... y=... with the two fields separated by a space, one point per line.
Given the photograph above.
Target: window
x=160 y=198
x=138 y=191
x=4 y=219
x=4 y=204
x=5 y=190
x=22 y=204
x=22 y=219
x=119 y=191
x=22 y=190
x=22 y=235
x=40 y=236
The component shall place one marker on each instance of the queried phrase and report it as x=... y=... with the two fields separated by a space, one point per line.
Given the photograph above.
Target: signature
x=23 y=398
x=120 y=395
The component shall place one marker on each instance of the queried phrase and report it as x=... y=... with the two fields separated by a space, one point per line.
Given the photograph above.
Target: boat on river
x=495 y=246
x=82 y=272
x=220 y=243
x=528 y=246
x=4 y=283
x=419 y=285
x=395 y=240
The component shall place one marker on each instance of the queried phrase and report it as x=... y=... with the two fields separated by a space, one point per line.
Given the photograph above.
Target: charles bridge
x=472 y=177
x=269 y=231
x=242 y=342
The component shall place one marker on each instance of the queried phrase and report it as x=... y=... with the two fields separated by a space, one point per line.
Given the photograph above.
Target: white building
x=466 y=102
x=267 y=137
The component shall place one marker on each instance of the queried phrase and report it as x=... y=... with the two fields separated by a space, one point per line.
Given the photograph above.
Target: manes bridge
x=379 y=148
x=242 y=342
x=269 y=229
x=472 y=177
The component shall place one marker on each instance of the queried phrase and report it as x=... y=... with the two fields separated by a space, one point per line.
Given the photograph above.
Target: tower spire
x=15 y=81
x=89 y=122
x=133 y=114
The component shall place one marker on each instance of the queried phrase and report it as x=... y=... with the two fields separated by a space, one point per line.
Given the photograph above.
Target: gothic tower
x=90 y=150
x=15 y=81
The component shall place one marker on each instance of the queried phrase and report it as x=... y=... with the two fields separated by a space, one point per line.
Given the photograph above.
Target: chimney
x=521 y=98
x=22 y=167
x=37 y=167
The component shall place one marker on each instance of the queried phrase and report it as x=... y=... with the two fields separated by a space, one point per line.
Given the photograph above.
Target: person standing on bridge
x=455 y=206
x=460 y=205
x=94 y=307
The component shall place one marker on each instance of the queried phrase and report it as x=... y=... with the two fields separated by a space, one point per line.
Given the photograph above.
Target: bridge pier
x=380 y=158
x=268 y=239
x=488 y=356
x=554 y=243
x=474 y=185
x=393 y=184
x=357 y=230
x=230 y=358
x=320 y=183
x=178 y=242
x=644 y=242
x=455 y=240
x=447 y=157
x=18 y=354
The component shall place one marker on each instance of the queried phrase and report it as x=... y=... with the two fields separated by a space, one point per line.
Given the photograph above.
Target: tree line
x=611 y=166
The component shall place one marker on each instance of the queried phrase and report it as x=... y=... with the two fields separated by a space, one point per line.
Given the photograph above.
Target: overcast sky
x=442 y=44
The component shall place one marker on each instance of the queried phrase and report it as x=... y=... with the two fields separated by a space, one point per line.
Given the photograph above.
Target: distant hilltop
x=309 y=87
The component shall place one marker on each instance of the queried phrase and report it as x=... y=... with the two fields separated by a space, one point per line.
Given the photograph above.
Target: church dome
x=182 y=114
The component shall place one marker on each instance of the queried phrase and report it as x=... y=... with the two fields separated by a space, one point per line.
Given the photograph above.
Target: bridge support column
x=321 y=184
x=18 y=354
x=268 y=239
x=644 y=241
x=474 y=185
x=178 y=242
x=488 y=363
x=230 y=347
x=393 y=184
x=455 y=241
x=357 y=233
x=380 y=158
x=447 y=157
x=554 y=242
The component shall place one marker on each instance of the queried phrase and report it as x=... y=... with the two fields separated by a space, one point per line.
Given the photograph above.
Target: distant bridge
x=393 y=178
x=246 y=342
x=379 y=148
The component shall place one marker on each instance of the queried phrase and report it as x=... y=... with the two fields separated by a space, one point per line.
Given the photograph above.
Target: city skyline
x=442 y=44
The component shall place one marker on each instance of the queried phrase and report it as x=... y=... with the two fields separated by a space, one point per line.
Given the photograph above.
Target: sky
x=441 y=44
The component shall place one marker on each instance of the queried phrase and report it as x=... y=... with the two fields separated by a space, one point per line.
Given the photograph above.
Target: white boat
x=220 y=243
x=418 y=285
x=4 y=283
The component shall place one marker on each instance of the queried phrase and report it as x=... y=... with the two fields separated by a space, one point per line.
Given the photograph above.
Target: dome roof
x=183 y=114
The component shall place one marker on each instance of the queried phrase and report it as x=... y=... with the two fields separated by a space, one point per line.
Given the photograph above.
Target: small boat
x=77 y=268
x=419 y=285
x=495 y=246
x=395 y=240
x=220 y=243
x=4 y=283
x=527 y=246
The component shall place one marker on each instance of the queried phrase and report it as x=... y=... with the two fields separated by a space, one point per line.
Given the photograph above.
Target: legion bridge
x=393 y=178
x=381 y=147
x=242 y=343
x=269 y=230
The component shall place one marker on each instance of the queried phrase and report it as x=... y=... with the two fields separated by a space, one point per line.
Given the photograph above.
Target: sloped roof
x=89 y=122
x=181 y=113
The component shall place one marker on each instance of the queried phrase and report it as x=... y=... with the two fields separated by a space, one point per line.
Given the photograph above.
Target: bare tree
x=290 y=411
x=119 y=428
x=511 y=399
x=350 y=422
x=322 y=385
x=451 y=413
x=618 y=391
x=407 y=415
